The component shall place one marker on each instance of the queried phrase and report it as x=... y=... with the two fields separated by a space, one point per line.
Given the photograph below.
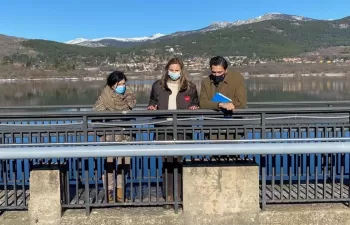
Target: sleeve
x=204 y=100
x=153 y=96
x=99 y=106
x=195 y=100
x=130 y=100
x=240 y=100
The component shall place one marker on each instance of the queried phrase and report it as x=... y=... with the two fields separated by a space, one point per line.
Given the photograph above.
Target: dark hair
x=218 y=61
x=115 y=77
x=184 y=84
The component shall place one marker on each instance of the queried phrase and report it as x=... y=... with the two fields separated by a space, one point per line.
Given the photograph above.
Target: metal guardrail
x=285 y=177
x=144 y=106
x=68 y=151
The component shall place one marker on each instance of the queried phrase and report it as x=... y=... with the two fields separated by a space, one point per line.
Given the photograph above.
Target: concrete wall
x=219 y=190
x=226 y=194
x=45 y=197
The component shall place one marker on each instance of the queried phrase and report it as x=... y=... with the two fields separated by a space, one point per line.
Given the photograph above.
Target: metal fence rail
x=303 y=176
x=288 y=178
x=144 y=106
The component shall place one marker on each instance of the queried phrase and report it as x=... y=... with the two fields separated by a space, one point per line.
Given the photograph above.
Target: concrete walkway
x=322 y=214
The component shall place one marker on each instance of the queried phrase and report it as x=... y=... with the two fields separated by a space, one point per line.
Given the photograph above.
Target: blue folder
x=218 y=97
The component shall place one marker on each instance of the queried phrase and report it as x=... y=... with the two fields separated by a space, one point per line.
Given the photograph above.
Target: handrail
x=168 y=142
x=279 y=103
x=50 y=114
x=172 y=150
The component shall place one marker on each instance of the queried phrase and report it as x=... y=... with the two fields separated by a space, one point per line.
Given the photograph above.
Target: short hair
x=218 y=61
x=115 y=77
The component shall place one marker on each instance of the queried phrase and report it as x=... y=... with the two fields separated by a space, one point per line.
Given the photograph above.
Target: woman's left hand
x=194 y=107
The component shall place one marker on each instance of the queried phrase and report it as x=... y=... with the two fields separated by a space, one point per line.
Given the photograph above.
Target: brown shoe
x=120 y=196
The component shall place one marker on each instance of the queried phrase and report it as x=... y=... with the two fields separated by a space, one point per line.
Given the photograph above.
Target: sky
x=64 y=20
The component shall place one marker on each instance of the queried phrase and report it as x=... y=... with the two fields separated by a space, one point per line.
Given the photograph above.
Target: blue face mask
x=174 y=75
x=120 y=89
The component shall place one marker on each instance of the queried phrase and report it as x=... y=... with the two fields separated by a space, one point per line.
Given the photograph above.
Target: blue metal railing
x=253 y=124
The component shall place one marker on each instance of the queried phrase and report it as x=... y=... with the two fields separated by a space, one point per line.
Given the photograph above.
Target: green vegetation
x=267 y=39
x=59 y=55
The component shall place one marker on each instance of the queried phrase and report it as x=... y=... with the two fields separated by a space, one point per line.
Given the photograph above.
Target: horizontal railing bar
x=13 y=207
x=180 y=122
x=308 y=200
x=173 y=150
x=142 y=113
x=200 y=129
x=145 y=105
x=279 y=140
x=152 y=203
x=134 y=131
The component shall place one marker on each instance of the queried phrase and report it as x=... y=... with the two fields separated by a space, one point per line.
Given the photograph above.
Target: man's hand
x=227 y=106
x=152 y=107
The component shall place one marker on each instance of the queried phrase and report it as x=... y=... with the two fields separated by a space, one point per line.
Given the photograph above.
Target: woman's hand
x=152 y=107
x=194 y=107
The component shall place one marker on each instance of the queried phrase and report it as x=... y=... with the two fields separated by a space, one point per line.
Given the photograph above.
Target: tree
x=23 y=58
x=245 y=61
x=7 y=60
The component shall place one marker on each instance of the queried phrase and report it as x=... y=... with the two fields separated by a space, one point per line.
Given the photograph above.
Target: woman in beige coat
x=116 y=97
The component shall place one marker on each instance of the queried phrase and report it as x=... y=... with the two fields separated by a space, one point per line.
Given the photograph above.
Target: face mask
x=174 y=76
x=217 y=79
x=120 y=89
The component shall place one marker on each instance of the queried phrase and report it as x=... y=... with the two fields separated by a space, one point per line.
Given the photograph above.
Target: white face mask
x=174 y=75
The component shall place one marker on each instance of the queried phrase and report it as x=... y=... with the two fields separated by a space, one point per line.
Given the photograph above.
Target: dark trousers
x=170 y=164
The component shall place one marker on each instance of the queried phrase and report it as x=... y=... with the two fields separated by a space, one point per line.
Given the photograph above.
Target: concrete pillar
x=216 y=192
x=45 y=197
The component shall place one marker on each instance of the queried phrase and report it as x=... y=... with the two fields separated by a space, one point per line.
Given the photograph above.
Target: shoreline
x=296 y=75
x=153 y=77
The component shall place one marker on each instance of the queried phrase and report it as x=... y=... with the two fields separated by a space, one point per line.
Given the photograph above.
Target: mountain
x=77 y=41
x=10 y=45
x=113 y=41
x=269 y=36
x=284 y=36
x=131 y=42
x=268 y=16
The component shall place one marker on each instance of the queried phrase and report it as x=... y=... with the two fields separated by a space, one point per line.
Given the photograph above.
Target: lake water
x=78 y=92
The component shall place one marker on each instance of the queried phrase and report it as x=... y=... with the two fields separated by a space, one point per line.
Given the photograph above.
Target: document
x=218 y=97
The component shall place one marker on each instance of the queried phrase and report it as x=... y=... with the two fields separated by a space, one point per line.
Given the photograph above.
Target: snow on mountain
x=80 y=41
x=268 y=16
x=113 y=41
x=155 y=36
x=76 y=41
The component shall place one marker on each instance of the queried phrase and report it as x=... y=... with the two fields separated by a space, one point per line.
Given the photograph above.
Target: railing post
x=87 y=186
x=45 y=195
x=263 y=181
x=263 y=125
x=175 y=177
x=263 y=163
x=213 y=190
x=85 y=128
x=175 y=126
